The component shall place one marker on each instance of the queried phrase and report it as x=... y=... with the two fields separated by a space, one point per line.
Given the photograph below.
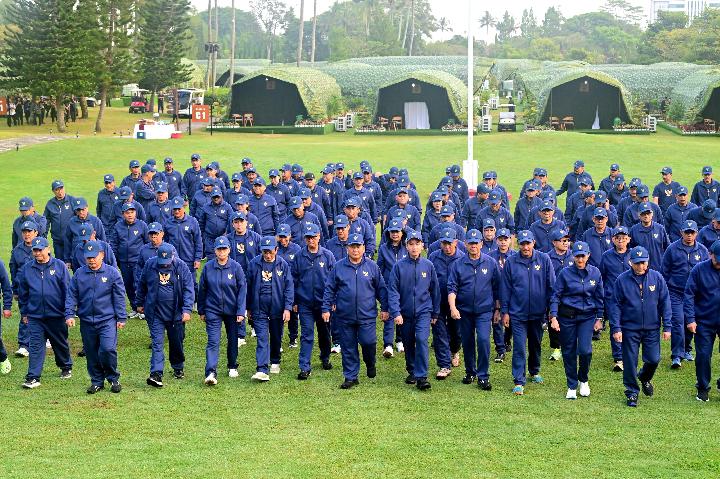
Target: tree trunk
x=314 y=32
x=231 y=80
x=151 y=105
x=407 y=24
x=209 y=40
x=400 y=25
x=101 y=110
x=215 y=53
x=412 y=27
x=84 y=108
x=60 y=108
x=301 y=32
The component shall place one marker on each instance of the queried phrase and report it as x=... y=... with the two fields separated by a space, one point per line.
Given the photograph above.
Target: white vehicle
x=186 y=98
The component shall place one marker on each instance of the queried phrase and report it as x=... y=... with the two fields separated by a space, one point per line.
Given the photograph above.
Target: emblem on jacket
x=484 y=270
x=655 y=235
x=230 y=276
x=164 y=278
x=135 y=232
x=424 y=274
x=366 y=274
x=592 y=282
x=104 y=279
x=187 y=228
x=279 y=272
x=240 y=247
x=651 y=287
x=322 y=264
x=537 y=267
x=267 y=276
x=697 y=257
x=52 y=272
x=668 y=192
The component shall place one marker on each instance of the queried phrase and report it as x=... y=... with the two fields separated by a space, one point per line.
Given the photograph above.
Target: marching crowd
x=320 y=254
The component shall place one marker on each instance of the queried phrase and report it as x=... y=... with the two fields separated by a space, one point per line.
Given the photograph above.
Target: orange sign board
x=201 y=113
x=3 y=107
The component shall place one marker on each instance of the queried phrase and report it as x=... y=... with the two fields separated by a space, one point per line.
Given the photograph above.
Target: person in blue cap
x=664 y=192
x=372 y=186
x=706 y=189
x=700 y=307
x=311 y=207
x=310 y=269
x=271 y=296
x=677 y=213
x=244 y=247
x=502 y=336
x=297 y=173
x=392 y=249
x=359 y=225
x=58 y=212
x=571 y=183
x=527 y=284
x=287 y=249
x=543 y=228
x=388 y=180
x=460 y=186
x=319 y=195
x=96 y=295
x=344 y=181
x=248 y=178
x=703 y=215
x=367 y=199
x=631 y=216
x=242 y=203
x=497 y=212
x=264 y=207
x=183 y=232
x=203 y=196
x=588 y=202
x=27 y=213
x=212 y=170
x=414 y=303
x=709 y=234
x=338 y=247
x=576 y=311
x=221 y=301
x=473 y=287
x=87 y=233
x=629 y=198
x=351 y=293
x=333 y=193
x=488 y=236
x=410 y=213
x=447 y=220
x=639 y=309
x=616 y=194
x=490 y=180
x=650 y=235
x=299 y=217
x=614 y=262
x=72 y=230
x=42 y=289
x=404 y=182
x=145 y=188
x=173 y=179
x=279 y=192
x=288 y=181
x=106 y=199
x=126 y=239
x=608 y=182
x=525 y=204
x=236 y=189
x=432 y=215
x=165 y=295
x=132 y=179
x=679 y=259
x=560 y=257
x=576 y=200
x=160 y=210
x=21 y=254
x=587 y=213
x=473 y=206
x=222 y=175
x=125 y=196
x=599 y=237
x=213 y=220
x=156 y=235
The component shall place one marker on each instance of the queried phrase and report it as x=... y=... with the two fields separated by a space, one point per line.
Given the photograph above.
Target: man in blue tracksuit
x=560 y=257
x=310 y=207
x=87 y=233
x=165 y=295
x=213 y=220
x=221 y=300
x=202 y=196
x=58 y=212
x=677 y=213
x=338 y=247
x=310 y=269
x=392 y=249
x=97 y=296
x=703 y=215
x=543 y=228
x=525 y=204
x=288 y=250
x=133 y=178
x=502 y=336
x=299 y=217
x=236 y=189
x=265 y=208
x=126 y=239
x=497 y=212
x=359 y=225
x=709 y=234
x=173 y=179
x=679 y=259
x=244 y=243
x=72 y=230
x=156 y=236
x=27 y=213
x=706 y=189
x=126 y=197
x=665 y=191
x=144 y=190
x=598 y=238
x=639 y=307
x=271 y=296
x=414 y=302
x=351 y=294
x=106 y=198
x=474 y=300
x=183 y=232
x=702 y=315
x=21 y=254
x=631 y=215
x=525 y=291
x=571 y=183
x=160 y=210
x=193 y=177
x=650 y=235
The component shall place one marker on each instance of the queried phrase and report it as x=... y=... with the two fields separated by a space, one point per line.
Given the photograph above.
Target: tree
x=444 y=25
x=505 y=27
x=233 y=44
x=544 y=49
x=623 y=11
x=272 y=16
x=301 y=32
x=487 y=22
x=528 y=25
x=53 y=52
x=552 y=23
x=313 y=45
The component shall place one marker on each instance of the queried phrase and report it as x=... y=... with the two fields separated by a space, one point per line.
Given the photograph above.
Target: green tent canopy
x=699 y=95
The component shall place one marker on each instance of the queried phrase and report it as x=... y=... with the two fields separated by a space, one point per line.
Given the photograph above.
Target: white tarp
x=417 y=116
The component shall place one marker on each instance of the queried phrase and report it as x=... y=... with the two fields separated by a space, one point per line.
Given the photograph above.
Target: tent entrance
x=417 y=116
x=583 y=99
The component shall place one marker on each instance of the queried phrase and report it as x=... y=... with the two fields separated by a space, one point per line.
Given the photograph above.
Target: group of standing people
x=34 y=111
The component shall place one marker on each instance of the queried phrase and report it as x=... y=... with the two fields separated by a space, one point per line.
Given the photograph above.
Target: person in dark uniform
x=58 y=212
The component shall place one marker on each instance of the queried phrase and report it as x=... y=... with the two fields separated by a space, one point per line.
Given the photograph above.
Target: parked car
x=138 y=104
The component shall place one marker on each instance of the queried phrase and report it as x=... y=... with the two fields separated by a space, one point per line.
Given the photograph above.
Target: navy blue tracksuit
x=446 y=332
x=675 y=216
x=578 y=300
x=477 y=286
x=40 y=224
x=388 y=255
x=702 y=307
x=221 y=299
x=414 y=293
x=106 y=200
x=73 y=233
x=502 y=336
x=98 y=299
x=126 y=240
x=654 y=239
x=638 y=307
x=559 y=263
x=598 y=242
x=7 y=296
x=213 y=220
x=58 y=214
x=612 y=265
x=20 y=255
x=77 y=260
x=266 y=209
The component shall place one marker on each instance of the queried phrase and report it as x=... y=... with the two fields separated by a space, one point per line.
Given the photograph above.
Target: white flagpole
x=470 y=166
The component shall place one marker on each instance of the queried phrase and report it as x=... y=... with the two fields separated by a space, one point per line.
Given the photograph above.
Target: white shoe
x=556 y=355
x=233 y=373
x=194 y=308
x=5 y=367
x=47 y=344
x=211 y=379
x=132 y=315
x=260 y=376
x=571 y=394
x=241 y=342
x=335 y=349
x=388 y=352
x=584 y=389
x=252 y=333
x=400 y=347
x=140 y=316
x=274 y=369
x=22 y=353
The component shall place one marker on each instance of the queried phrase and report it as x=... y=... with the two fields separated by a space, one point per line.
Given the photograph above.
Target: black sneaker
x=179 y=374
x=702 y=396
x=632 y=400
x=468 y=379
x=94 y=388
x=81 y=353
x=508 y=347
x=303 y=375
x=500 y=357
x=618 y=366
x=327 y=365
x=115 y=387
x=31 y=384
x=293 y=344
x=155 y=380
x=596 y=335
x=423 y=384
x=66 y=374
x=349 y=384
x=647 y=388
x=410 y=379
x=371 y=371
x=484 y=384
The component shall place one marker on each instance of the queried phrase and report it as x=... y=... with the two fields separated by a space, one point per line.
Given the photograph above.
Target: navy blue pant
x=704 y=344
x=615 y=347
x=416 y=332
x=58 y=246
x=576 y=344
x=309 y=320
x=56 y=331
x=352 y=333
x=269 y=331
x=335 y=329
x=128 y=275
x=23 y=336
x=392 y=333
x=452 y=329
x=681 y=338
x=441 y=344
x=293 y=326
x=213 y=327
x=3 y=351
x=100 y=344
x=176 y=336
x=524 y=330
x=475 y=335
x=631 y=341
x=502 y=336
x=191 y=267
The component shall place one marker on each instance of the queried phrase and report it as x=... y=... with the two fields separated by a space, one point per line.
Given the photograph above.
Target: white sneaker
x=47 y=344
x=233 y=373
x=335 y=349
x=274 y=369
x=5 y=367
x=241 y=342
x=400 y=347
x=194 y=308
x=571 y=394
x=211 y=379
x=260 y=376
x=140 y=316
x=584 y=389
x=252 y=333
x=388 y=352
x=556 y=355
x=132 y=315
x=22 y=353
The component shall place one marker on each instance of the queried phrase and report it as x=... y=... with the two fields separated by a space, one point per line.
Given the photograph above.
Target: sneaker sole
x=36 y=385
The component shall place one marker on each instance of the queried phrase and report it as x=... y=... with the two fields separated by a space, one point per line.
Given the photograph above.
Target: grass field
x=288 y=428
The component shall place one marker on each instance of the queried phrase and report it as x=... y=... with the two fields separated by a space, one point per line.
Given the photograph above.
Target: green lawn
x=383 y=427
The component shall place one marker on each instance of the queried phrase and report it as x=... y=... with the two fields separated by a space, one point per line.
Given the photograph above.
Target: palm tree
x=444 y=25
x=487 y=21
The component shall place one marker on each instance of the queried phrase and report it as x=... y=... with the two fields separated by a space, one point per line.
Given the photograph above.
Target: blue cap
x=681 y=190
x=80 y=203
x=295 y=202
x=134 y=164
x=258 y=181
x=644 y=207
x=403 y=181
x=446 y=181
x=525 y=236
x=147 y=168
x=588 y=194
x=297 y=168
x=340 y=166
x=621 y=230
x=357 y=175
x=542 y=172
x=311 y=229
x=435 y=196
x=707 y=170
x=86 y=231
x=268 y=243
x=600 y=213
x=578 y=164
x=284 y=230
x=91 y=249
x=151 y=161
x=304 y=193
x=618 y=181
x=585 y=181
x=195 y=156
x=167 y=160
x=128 y=206
x=635 y=183
x=473 y=236
x=446 y=211
x=286 y=167
x=413 y=235
x=503 y=233
x=666 y=170
x=547 y=205
x=708 y=207
x=394 y=170
x=207 y=181
x=215 y=192
x=488 y=175
x=488 y=223
x=614 y=167
x=483 y=189
x=328 y=170
x=533 y=186
x=178 y=203
x=639 y=254
x=28 y=226
x=690 y=225
x=221 y=242
x=715 y=249
x=455 y=170
x=165 y=254
x=353 y=201
x=242 y=200
x=341 y=221
x=494 y=197
x=212 y=166
x=124 y=192
x=238 y=215
x=443 y=190
x=236 y=177
x=395 y=225
x=250 y=170
x=161 y=187
x=448 y=235
x=108 y=178
x=559 y=233
x=25 y=203
x=364 y=163
x=273 y=173
x=40 y=243
x=580 y=248
x=246 y=161
x=643 y=191
x=600 y=197
x=57 y=184
x=403 y=172
x=155 y=227
x=367 y=169
x=355 y=239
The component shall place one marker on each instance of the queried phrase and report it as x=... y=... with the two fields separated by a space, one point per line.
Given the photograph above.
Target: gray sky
x=456 y=10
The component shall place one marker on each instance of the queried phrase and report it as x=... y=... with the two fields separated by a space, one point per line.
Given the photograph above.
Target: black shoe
x=468 y=379
x=647 y=388
x=410 y=379
x=94 y=388
x=327 y=365
x=702 y=396
x=179 y=374
x=484 y=384
x=81 y=353
x=371 y=371
x=155 y=380
x=303 y=375
x=293 y=344
x=632 y=400
x=115 y=387
x=508 y=347
x=500 y=357
x=423 y=384
x=596 y=336
x=349 y=384
x=66 y=374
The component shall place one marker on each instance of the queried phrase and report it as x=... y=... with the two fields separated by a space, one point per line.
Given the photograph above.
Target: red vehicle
x=138 y=104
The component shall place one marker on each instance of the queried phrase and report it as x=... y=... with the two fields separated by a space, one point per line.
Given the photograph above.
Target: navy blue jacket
x=677 y=262
x=388 y=255
x=185 y=236
x=266 y=210
x=334 y=195
x=708 y=235
x=640 y=303
x=6 y=287
x=560 y=262
x=665 y=194
x=231 y=194
x=437 y=246
x=104 y=207
x=571 y=184
x=117 y=210
x=367 y=198
x=297 y=225
x=703 y=191
x=244 y=248
x=503 y=218
x=42 y=289
x=20 y=255
x=413 y=289
x=542 y=231
x=702 y=295
x=78 y=257
x=126 y=240
x=183 y=279
x=431 y=219
x=675 y=216
x=58 y=213
x=390 y=200
x=411 y=214
x=527 y=285
x=144 y=193
x=612 y=265
x=159 y=212
x=476 y=284
x=222 y=289
x=337 y=248
x=283 y=289
x=442 y=263
x=213 y=221
x=354 y=290
x=440 y=227
x=146 y=252
x=654 y=239
x=199 y=199
x=364 y=228
x=96 y=296
x=470 y=217
x=310 y=271
x=696 y=214
x=522 y=216
x=586 y=218
x=36 y=218
x=598 y=243
x=192 y=181
x=174 y=183
x=289 y=252
x=72 y=234
x=631 y=216
x=130 y=181
x=581 y=289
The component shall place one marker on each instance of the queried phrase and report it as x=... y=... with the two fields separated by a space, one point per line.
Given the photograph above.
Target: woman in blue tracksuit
x=390 y=252
x=576 y=310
